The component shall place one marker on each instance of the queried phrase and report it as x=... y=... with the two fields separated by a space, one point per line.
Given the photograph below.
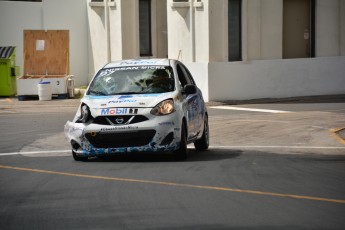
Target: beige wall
x=342 y=27
x=116 y=37
x=180 y=45
x=261 y=30
x=330 y=27
x=197 y=35
x=98 y=38
x=276 y=78
x=159 y=28
x=15 y=17
x=264 y=29
x=218 y=30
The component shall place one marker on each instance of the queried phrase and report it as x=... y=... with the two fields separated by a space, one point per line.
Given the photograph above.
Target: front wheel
x=181 y=153
x=203 y=142
x=78 y=158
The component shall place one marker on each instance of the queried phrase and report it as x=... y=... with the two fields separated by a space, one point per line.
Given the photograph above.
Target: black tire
x=203 y=143
x=181 y=153
x=78 y=158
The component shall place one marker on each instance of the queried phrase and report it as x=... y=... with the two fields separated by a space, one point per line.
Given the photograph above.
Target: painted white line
x=249 y=109
x=34 y=152
x=273 y=147
x=6 y=111
x=192 y=147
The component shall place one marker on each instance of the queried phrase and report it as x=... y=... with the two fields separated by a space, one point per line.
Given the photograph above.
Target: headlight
x=85 y=114
x=164 y=108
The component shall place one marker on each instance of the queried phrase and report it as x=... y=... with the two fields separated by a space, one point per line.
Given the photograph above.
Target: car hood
x=126 y=101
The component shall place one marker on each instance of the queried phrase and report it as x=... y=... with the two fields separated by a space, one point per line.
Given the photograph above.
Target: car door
x=192 y=102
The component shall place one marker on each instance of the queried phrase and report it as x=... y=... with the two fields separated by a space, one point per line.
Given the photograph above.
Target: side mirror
x=189 y=89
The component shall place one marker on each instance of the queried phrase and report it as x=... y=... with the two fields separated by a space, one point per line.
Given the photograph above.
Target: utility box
x=46 y=59
x=8 y=71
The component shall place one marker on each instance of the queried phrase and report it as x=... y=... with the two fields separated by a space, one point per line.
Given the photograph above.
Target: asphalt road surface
x=270 y=166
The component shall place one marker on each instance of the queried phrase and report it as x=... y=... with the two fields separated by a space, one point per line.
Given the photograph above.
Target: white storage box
x=27 y=85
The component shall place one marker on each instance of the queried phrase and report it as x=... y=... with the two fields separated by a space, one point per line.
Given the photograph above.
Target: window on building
x=234 y=30
x=145 y=27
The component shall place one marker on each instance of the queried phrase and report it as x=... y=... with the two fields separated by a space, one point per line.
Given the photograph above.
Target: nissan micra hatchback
x=149 y=105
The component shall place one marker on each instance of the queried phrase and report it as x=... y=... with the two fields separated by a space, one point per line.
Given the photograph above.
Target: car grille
x=121 y=139
x=119 y=120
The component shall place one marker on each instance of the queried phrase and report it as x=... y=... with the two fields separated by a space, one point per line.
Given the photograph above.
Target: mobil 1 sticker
x=118 y=111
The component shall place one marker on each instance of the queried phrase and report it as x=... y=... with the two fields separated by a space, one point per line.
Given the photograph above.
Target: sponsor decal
x=118 y=111
x=133 y=111
x=106 y=72
x=127 y=97
x=109 y=71
x=121 y=101
x=167 y=123
x=138 y=62
x=104 y=130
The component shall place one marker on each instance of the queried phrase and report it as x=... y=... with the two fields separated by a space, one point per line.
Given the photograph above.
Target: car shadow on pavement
x=213 y=154
x=193 y=156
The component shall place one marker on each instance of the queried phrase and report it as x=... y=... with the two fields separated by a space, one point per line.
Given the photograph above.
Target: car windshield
x=132 y=80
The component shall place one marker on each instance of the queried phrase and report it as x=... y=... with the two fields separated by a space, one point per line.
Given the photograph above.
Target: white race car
x=148 y=105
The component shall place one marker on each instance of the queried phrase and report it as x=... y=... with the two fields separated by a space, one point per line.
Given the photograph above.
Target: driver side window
x=181 y=76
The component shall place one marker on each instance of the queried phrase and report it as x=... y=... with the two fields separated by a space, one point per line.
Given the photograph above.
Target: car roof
x=139 y=62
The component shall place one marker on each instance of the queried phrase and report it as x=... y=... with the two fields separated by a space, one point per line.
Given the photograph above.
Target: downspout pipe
x=192 y=25
x=107 y=29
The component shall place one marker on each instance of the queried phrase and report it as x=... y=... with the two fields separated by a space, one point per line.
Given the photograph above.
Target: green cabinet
x=8 y=71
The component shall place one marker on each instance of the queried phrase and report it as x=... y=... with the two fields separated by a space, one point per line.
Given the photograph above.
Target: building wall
x=159 y=28
x=328 y=27
x=114 y=31
x=271 y=29
x=263 y=73
x=12 y=25
x=217 y=29
x=202 y=37
x=196 y=33
x=99 y=26
x=130 y=28
x=276 y=78
x=342 y=27
x=264 y=29
x=15 y=17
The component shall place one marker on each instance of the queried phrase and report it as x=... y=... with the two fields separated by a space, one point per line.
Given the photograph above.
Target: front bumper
x=158 y=134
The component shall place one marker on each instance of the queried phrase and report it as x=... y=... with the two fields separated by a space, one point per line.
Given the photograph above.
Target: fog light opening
x=75 y=145
x=168 y=139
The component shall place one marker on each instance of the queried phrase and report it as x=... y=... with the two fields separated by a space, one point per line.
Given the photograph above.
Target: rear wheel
x=203 y=142
x=181 y=153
